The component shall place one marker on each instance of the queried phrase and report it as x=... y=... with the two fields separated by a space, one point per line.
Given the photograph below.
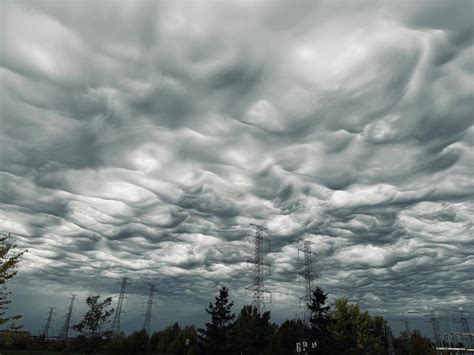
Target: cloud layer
x=140 y=139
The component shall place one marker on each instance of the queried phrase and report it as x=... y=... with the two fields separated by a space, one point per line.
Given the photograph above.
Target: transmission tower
x=115 y=328
x=258 y=286
x=464 y=322
x=49 y=320
x=407 y=327
x=146 y=324
x=307 y=274
x=67 y=321
x=435 y=327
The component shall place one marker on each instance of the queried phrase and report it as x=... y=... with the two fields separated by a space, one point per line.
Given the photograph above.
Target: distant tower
x=67 y=321
x=389 y=336
x=49 y=320
x=435 y=327
x=146 y=324
x=307 y=274
x=464 y=322
x=258 y=286
x=407 y=327
x=115 y=328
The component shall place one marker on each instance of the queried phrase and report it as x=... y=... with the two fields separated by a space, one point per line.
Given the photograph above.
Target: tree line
x=339 y=328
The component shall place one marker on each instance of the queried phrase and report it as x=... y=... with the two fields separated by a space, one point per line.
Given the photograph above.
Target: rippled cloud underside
x=140 y=139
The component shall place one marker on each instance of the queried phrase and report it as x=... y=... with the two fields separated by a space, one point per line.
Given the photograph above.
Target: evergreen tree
x=8 y=265
x=215 y=338
x=253 y=331
x=319 y=321
x=290 y=332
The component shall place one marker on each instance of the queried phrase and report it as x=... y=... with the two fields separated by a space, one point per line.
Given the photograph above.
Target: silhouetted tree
x=8 y=264
x=137 y=342
x=320 y=321
x=253 y=330
x=90 y=326
x=175 y=340
x=290 y=332
x=215 y=338
x=117 y=344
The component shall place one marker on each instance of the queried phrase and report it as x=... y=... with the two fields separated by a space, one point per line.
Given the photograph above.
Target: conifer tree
x=215 y=338
x=319 y=320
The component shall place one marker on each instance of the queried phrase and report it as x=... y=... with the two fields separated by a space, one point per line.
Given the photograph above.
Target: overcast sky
x=140 y=139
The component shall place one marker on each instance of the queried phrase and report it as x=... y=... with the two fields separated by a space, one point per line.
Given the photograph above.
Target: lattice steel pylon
x=258 y=287
x=308 y=275
x=146 y=324
x=435 y=327
x=64 y=334
x=49 y=320
x=464 y=322
x=388 y=334
x=115 y=328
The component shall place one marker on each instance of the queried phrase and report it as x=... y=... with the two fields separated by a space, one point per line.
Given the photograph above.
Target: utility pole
x=47 y=326
x=115 y=328
x=307 y=274
x=67 y=321
x=258 y=286
x=146 y=324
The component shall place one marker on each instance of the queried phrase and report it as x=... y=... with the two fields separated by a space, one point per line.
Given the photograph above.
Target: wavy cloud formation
x=140 y=139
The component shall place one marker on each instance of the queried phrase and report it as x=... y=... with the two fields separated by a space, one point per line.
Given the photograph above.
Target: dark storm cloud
x=140 y=139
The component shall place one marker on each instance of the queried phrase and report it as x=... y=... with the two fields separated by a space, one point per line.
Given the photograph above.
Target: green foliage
x=252 y=332
x=354 y=330
x=215 y=338
x=175 y=340
x=8 y=265
x=413 y=343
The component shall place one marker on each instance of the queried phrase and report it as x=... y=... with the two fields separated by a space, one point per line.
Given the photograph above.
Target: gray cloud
x=140 y=139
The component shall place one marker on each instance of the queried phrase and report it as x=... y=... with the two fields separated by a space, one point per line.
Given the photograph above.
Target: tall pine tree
x=319 y=321
x=215 y=338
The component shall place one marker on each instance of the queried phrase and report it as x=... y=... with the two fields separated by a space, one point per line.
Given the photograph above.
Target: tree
x=214 y=339
x=137 y=342
x=90 y=326
x=290 y=332
x=420 y=345
x=320 y=321
x=8 y=264
x=353 y=330
x=253 y=330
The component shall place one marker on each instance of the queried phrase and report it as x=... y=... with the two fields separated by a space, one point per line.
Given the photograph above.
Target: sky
x=140 y=139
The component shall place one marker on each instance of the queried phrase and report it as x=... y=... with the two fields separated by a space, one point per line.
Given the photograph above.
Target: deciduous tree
x=8 y=268
x=90 y=326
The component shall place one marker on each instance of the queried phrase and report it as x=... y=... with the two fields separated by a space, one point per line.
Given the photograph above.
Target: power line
x=115 y=328
x=258 y=286
x=67 y=321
